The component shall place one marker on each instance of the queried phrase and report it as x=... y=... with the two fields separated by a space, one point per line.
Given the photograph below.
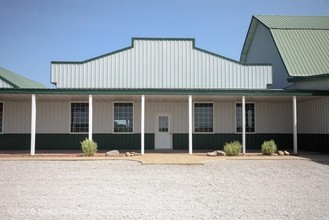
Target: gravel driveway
x=226 y=189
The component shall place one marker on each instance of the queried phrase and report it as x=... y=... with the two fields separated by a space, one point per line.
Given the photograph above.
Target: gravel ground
x=226 y=189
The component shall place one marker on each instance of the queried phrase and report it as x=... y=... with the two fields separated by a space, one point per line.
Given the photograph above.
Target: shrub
x=269 y=147
x=233 y=148
x=89 y=147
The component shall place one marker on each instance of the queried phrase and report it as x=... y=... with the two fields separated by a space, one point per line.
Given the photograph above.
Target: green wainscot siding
x=15 y=141
x=217 y=141
x=72 y=141
x=59 y=141
x=306 y=142
x=313 y=142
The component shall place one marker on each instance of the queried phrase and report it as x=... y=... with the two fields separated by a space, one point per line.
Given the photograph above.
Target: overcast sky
x=35 y=32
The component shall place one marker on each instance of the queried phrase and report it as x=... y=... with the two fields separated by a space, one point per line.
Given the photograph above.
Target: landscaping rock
x=112 y=153
x=220 y=153
x=130 y=154
x=212 y=154
x=286 y=152
x=281 y=153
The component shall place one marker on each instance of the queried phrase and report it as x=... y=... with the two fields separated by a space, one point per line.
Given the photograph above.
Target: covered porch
x=171 y=120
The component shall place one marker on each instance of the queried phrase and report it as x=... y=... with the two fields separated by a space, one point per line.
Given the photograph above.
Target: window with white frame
x=79 y=117
x=1 y=117
x=123 y=117
x=203 y=117
x=250 y=117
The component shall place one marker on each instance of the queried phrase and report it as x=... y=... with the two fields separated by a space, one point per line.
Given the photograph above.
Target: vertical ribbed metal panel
x=102 y=117
x=224 y=117
x=263 y=50
x=53 y=117
x=17 y=117
x=313 y=116
x=321 y=84
x=178 y=115
x=164 y=64
x=273 y=117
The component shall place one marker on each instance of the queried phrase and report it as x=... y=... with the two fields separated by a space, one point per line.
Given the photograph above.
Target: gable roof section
x=135 y=40
x=302 y=41
x=17 y=81
x=160 y=63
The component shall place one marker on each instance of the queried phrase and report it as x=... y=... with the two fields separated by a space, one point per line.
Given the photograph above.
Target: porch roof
x=269 y=92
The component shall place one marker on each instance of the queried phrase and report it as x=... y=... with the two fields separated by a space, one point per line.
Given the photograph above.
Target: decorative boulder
x=220 y=153
x=212 y=154
x=128 y=154
x=112 y=153
x=286 y=152
x=281 y=153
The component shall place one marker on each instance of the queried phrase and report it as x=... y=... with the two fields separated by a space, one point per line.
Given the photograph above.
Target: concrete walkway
x=175 y=158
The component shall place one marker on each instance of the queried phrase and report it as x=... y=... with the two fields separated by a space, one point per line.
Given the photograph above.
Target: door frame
x=157 y=115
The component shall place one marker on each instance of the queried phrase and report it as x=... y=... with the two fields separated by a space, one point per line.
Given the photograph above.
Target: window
x=163 y=123
x=123 y=117
x=1 y=117
x=79 y=117
x=203 y=117
x=250 y=117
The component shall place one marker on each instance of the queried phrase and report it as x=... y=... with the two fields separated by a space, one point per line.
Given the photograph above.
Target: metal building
x=169 y=94
x=298 y=49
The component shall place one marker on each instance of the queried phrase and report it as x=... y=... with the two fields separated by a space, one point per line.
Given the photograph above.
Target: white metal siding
x=320 y=84
x=4 y=84
x=313 y=116
x=17 y=117
x=103 y=117
x=224 y=117
x=164 y=64
x=53 y=117
x=270 y=117
x=276 y=117
x=273 y=117
x=178 y=115
x=137 y=117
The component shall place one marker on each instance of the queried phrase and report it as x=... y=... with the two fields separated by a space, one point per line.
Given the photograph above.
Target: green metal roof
x=294 y=22
x=18 y=81
x=302 y=41
x=304 y=52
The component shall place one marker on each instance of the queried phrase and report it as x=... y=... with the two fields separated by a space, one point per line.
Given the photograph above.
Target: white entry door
x=163 y=134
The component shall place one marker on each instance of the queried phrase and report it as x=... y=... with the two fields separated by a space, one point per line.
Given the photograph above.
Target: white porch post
x=142 y=124
x=243 y=124
x=294 y=107
x=33 y=123
x=190 y=125
x=90 y=130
